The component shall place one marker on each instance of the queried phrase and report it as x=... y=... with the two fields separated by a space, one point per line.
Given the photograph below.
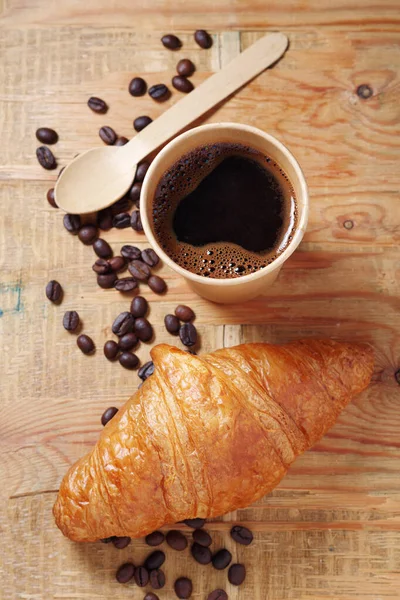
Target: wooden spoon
x=99 y=177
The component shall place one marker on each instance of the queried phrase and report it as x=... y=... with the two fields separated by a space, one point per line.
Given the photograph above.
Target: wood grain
x=332 y=528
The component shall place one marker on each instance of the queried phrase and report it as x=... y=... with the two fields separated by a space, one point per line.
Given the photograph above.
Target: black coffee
x=224 y=211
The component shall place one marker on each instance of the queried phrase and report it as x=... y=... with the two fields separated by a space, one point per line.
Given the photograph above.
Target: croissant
x=207 y=435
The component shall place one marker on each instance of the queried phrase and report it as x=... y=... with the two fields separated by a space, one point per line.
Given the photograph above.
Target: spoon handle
x=219 y=86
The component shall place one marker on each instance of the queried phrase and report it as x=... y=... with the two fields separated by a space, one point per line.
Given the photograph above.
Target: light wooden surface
x=331 y=530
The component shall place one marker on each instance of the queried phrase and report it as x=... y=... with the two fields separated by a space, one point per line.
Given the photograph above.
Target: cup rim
x=277 y=263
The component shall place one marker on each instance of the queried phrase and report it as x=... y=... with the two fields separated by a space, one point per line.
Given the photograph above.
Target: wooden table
x=332 y=528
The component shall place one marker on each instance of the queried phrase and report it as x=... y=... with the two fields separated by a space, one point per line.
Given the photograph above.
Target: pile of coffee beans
x=186 y=330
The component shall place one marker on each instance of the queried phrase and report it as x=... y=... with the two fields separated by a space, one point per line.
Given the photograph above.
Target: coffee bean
x=202 y=537
x=128 y=341
x=185 y=67
x=221 y=559
x=72 y=223
x=87 y=234
x=201 y=554
x=241 y=535
x=141 y=576
x=139 y=306
x=146 y=370
x=107 y=540
x=218 y=595
x=183 y=588
x=46 y=158
x=137 y=87
x=106 y=280
x=157 y=579
x=150 y=257
x=121 y=141
x=171 y=42
x=172 y=324
x=108 y=135
x=123 y=324
x=130 y=252
x=134 y=192
x=47 y=135
x=143 y=329
x=54 y=291
x=121 y=542
x=125 y=573
x=176 y=540
x=107 y=415
x=51 y=198
x=85 y=343
x=104 y=219
x=102 y=248
x=121 y=220
x=157 y=284
x=155 y=560
x=126 y=284
x=188 y=334
x=128 y=360
x=97 y=105
x=195 y=523
x=203 y=39
x=184 y=313
x=159 y=92
x=141 y=171
x=237 y=574
x=139 y=270
x=71 y=320
x=136 y=221
x=117 y=263
x=141 y=122
x=182 y=84
x=111 y=350
x=156 y=537
x=120 y=206
x=151 y=596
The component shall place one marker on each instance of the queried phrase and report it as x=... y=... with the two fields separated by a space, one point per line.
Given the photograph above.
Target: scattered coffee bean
x=111 y=350
x=46 y=135
x=184 y=313
x=104 y=219
x=125 y=573
x=201 y=554
x=172 y=324
x=151 y=596
x=106 y=280
x=218 y=595
x=71 y=320
x=185 y=67
x=126 y=284
x=54 y=291
x=150 y=257
x=182 y=84
x=108 y=135
x=128 y=360
x=155 y=560
x=117 y=263
x=221 y=559
x=141 y=576
x=72 y=223
x=101 y=266
x=143 y=329
x=156 y=537
x=139 y=270
x=157 y=579
x=121 y=542
x=136 y=221
x=123 y=324
x=134 y=192
x=139 y=306
x=46 y=158
x=102 y=248
x=141 y=122
x=202 y=537
x=137 y=87
x=51 y=198
x=159 y=92
x=141 y=171
x=107 y=540
x=87 y=234
x=97 y=105
x=176 y=540
x=120 y=206
x=121 y=141
x=237 y=574
x=188 y=334
x=183 y=588
x=241 y=535
x=195 y=523
x=157 y=284
x=130 y=252
x=146 y=370
x=203 y=39
x=85 y=343
x=107 y=415
x=171 y=42
x=121 y=220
